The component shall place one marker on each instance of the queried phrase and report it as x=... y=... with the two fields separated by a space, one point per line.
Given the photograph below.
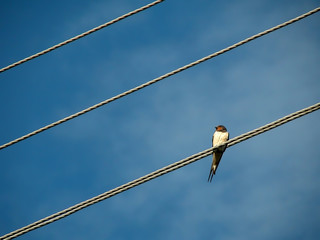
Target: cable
x=81 y=35
x=158 y=79
x=158 y=173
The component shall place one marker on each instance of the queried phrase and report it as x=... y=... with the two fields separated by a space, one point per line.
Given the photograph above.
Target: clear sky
x=265 y=188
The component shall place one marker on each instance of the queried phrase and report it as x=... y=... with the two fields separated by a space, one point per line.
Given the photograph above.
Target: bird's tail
x=215 y=162
x=212 y=170
x=211 y=175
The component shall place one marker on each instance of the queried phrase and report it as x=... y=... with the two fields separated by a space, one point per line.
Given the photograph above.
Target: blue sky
x=265 y=188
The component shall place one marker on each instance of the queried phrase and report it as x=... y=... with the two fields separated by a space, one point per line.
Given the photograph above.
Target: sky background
x=265 y=188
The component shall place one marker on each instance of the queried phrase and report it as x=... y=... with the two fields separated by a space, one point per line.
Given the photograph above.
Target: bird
x=220 y=136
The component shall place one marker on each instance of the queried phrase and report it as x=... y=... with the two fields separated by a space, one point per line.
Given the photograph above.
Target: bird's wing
x=226 y=137
x=212 y=169
x=212 y=139
x=216 y=159
x=215 y=163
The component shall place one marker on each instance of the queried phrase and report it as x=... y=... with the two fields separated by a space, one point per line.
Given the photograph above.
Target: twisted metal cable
x=157 y=173
x=158 y=79
x=81 y=35
x=274 y=124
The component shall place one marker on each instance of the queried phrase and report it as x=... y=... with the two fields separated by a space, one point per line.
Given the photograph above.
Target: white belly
x=219 y=138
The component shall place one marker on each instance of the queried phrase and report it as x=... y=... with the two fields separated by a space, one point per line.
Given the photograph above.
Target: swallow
x=220 y=136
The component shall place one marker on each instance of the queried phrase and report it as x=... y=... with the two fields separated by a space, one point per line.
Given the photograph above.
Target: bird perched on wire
x=220 y=136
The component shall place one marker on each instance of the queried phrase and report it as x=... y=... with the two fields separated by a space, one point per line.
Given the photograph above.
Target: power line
x=159 y=78
x=158 y=173
x=81 y=35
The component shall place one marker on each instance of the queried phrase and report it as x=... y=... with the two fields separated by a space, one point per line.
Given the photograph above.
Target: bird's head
x=221 y=128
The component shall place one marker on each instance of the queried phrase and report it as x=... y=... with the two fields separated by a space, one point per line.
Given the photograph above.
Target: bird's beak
x=216 y=127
